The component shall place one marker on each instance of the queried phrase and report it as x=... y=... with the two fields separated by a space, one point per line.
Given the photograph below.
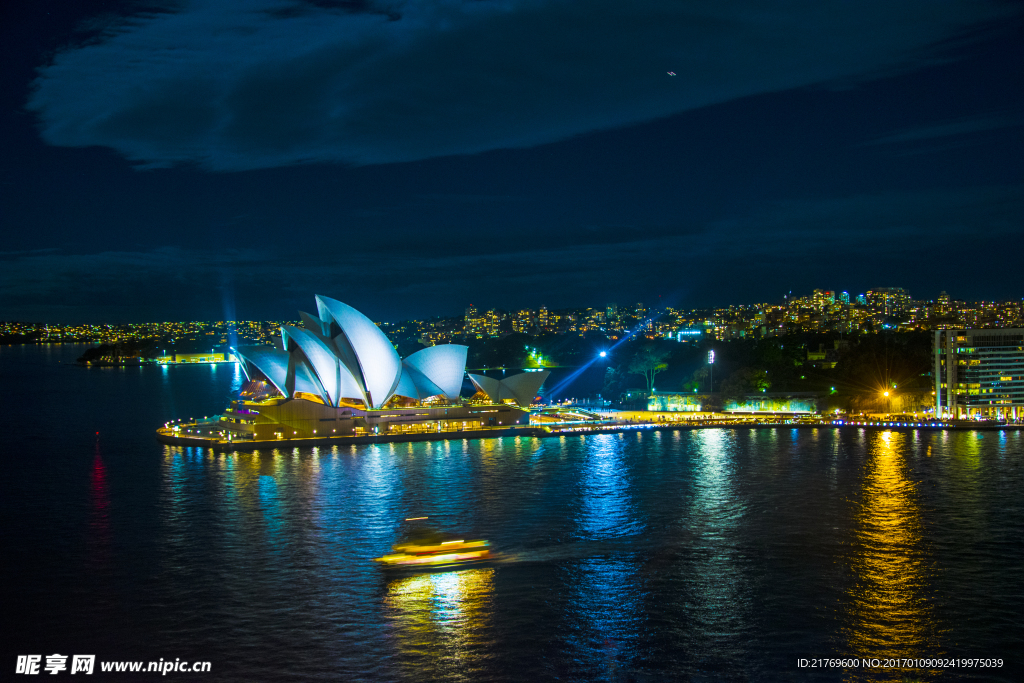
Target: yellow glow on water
x=441 y=621
x=969 y=444
x=887 y=613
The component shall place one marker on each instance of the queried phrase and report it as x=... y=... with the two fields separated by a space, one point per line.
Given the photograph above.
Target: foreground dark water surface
x=673 y=555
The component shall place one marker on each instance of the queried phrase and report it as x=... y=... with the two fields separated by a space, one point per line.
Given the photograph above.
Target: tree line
x=866 y=365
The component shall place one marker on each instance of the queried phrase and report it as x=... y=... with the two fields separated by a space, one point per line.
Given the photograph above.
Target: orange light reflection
x=887 y=613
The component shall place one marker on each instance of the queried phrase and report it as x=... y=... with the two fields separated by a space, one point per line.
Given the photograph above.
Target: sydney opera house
x=339 y=376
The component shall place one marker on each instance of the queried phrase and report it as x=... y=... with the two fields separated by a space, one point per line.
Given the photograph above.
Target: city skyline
x=876 y=310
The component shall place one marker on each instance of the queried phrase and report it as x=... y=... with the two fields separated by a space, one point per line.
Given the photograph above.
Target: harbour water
x=675 y=555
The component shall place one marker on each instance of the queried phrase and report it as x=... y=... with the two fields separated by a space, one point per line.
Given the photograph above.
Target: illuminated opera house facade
x=338 y=377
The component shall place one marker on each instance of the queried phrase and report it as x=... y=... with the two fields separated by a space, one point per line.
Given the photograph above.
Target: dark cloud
x=948 y=129
x=887 y=239
x=233 y=85
x=26 y=252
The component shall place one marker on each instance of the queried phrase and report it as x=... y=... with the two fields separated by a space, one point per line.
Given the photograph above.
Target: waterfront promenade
x=582 y=428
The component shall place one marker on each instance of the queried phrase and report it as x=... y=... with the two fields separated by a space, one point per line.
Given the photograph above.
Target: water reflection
x=174 y=494
x=377 y=488
x=688 y=553
x=441 y=622
x=887 y=614
x=607 y=599
x=99 y=523
x=719 y=574
x=606 y=615
x=607 y=508
x=270 y=505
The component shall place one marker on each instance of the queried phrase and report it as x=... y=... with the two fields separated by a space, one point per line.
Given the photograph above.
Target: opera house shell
x=334 y=378
x=341 y=357
x=520 y=388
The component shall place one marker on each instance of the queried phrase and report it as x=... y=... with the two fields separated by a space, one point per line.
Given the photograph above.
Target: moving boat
x=427 y=548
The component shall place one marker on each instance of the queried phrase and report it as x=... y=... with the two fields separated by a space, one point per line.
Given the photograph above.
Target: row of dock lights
x=890 y=424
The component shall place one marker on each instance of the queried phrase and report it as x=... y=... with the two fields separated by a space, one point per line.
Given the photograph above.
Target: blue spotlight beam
x=569 y=379
x=583 y=368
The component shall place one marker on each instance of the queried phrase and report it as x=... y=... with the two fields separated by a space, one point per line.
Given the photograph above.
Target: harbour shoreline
x=171 y=439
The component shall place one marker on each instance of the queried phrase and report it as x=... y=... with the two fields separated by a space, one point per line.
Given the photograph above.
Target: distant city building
x=475 y=323
x=823 y=311
x=674 y=401
x=979 y=373
x=492 y=323
x=822 y=358
x=889 y=301
x=523 y=321
x=779 y=402
x=689 y=334
x=821 y=299
x=173 y=355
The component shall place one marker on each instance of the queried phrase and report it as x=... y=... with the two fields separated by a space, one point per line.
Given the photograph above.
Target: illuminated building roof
x=342 y=354
x=521 y=388
x=272 y=364
x=376 y=361
x=334 y=379
x=415 y=384
x=443 y=365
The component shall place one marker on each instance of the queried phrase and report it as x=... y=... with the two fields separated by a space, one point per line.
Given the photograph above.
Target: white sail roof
x=415 y=384
x=521 y=388
x=343 y=354
x=379 y=366
x=270 y=362
x=443 y=365
x=336 y=380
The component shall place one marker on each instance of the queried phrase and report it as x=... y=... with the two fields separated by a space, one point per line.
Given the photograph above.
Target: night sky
x=214 y=159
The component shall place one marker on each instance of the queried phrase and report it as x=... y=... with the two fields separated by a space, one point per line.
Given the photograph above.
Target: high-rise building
x=523 y=321
x=979 y=373
x=474 y=322
x=888 y=300
x=821 y=299
x=542 y=317
x=492 y=323
x=844 y=297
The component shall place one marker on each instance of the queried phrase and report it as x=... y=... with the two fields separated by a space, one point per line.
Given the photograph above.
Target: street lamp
x=711 y=370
